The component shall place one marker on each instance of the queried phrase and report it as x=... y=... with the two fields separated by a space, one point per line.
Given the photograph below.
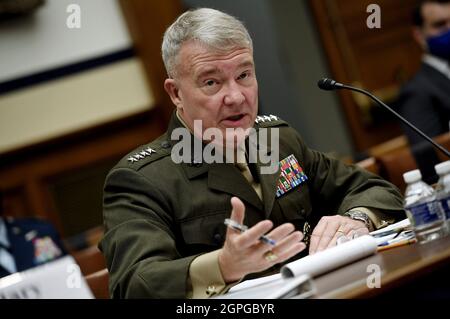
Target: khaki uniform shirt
x=160 y=216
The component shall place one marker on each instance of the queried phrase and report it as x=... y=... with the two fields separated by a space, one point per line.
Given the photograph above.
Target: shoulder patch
x=269 y=120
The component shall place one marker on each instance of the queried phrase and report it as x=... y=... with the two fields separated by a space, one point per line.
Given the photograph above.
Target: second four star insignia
x=141 y=155
x=266 y=118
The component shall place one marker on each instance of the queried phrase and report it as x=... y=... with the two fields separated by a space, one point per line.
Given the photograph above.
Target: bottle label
x=424 y=213
x=445 y=205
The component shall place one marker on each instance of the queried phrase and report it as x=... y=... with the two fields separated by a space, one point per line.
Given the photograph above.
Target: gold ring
x=340 y=231
x=270 y=256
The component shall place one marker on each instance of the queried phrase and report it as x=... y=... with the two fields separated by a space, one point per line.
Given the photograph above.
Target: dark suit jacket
x=425 y=102
x=22 y=247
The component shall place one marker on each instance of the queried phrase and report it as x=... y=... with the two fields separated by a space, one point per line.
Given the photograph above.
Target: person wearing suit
x=165 y=203
x=425 y=100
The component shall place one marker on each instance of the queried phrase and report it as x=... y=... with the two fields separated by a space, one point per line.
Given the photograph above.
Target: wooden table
x=402 y=268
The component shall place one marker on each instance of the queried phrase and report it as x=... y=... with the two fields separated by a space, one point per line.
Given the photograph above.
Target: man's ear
x=420 y=38
x=171 y=88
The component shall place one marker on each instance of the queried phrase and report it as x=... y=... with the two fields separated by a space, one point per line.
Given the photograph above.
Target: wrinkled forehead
x=197 y=57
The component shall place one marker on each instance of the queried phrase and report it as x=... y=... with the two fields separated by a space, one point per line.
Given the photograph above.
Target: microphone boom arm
x=381 y=103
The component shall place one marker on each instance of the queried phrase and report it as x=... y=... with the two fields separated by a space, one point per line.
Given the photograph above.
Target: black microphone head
x=327 y=84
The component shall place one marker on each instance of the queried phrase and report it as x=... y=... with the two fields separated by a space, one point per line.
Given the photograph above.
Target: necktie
x=245 y=170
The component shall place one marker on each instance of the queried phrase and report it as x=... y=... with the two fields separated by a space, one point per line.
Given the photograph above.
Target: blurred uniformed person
x=26 y=243
x=165 y=234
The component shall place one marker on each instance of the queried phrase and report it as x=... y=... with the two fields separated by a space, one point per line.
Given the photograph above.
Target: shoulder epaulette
x=148 y=153
x=269 y=120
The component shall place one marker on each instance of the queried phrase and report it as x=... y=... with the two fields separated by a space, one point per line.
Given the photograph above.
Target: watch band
x=358 y=215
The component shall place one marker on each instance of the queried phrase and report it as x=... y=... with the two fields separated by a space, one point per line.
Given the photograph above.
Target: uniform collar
x=226 y=177
x=437 y=63
x=180 y=119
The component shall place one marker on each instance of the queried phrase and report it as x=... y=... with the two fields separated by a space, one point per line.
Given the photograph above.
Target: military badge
x=45 y=250
x=141 y=155
x=291 y=175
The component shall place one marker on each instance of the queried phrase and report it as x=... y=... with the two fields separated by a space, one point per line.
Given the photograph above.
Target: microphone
x=329 y=85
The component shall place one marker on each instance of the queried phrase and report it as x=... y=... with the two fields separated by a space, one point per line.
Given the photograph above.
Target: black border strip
x=52 y=74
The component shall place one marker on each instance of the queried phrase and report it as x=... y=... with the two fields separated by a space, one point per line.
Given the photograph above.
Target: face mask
x=440 y=45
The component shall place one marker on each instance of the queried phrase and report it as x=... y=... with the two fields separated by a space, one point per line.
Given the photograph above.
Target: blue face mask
x=440 y=45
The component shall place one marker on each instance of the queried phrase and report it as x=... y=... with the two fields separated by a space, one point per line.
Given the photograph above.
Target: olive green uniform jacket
x=159 y=215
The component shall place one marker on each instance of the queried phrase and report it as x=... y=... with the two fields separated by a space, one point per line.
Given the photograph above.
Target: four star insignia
x=141 y=155
x=266 y=118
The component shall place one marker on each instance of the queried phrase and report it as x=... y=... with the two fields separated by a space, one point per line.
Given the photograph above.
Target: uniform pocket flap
x=205 y=229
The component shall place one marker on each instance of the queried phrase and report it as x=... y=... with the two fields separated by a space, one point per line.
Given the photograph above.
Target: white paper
x=59 y=279
x=275 y=288
x=331 y=258
x=400 y=224
x=254 y=282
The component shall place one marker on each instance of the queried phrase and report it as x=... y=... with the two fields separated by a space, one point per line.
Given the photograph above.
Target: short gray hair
x=216 y=29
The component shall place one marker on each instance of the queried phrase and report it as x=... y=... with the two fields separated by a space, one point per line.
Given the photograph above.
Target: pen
x=397 y=244
x=242 y=228
x=391 y=231
x=399 y=237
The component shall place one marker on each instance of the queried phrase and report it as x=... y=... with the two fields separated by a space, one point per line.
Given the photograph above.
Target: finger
x=288 y=241
x=238 y=210
x=328 y=234
x=343 y=239
x=281 y=231
x=237 y=214
x=342 y=231
x=252 y=235
x=316 y=234
x=290 y=252
x=355 y=233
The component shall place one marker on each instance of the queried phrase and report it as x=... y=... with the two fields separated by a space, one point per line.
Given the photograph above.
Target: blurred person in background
x=26 y=243
x=425 y=100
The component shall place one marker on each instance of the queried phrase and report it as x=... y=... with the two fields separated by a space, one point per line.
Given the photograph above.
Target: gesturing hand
x=331 y=228
x=244 y=253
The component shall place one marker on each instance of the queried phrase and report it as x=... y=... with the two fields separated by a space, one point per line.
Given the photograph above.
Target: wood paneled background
x=61 y=179
x=379 y=60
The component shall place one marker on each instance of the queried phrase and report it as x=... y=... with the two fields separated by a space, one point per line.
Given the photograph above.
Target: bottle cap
x=443 y=168
x=412 y=176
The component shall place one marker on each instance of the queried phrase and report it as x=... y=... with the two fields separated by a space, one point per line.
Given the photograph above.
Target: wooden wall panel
x=14 y=202
x=147 y=21
x=29 y=175
x=379 y=60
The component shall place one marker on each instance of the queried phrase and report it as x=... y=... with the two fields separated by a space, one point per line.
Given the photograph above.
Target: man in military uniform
x=165 y=234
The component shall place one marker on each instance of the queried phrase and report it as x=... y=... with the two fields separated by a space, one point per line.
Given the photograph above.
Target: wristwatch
x=358 y=215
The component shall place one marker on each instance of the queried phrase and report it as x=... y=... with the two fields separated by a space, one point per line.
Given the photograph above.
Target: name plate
x=59 y=279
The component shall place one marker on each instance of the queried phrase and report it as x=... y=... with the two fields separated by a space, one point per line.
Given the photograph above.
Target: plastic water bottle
x=443 y=191
x=422 y=209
